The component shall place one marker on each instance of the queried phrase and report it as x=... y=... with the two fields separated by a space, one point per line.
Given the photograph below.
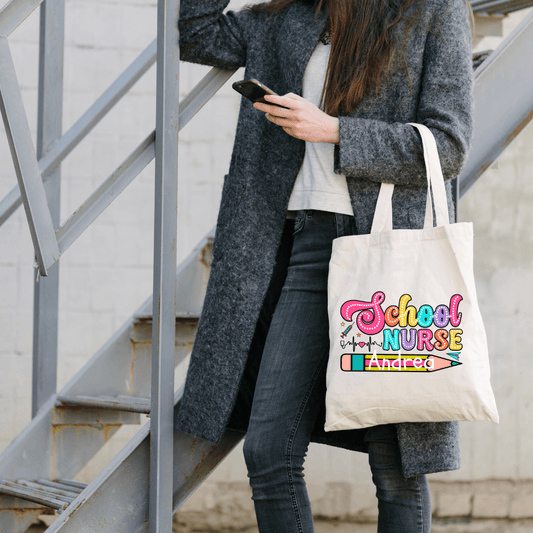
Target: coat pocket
x=299 y=224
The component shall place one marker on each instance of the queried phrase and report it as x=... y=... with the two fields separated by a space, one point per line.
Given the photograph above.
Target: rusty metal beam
x=49 y=446
x=125 y=478
x=48 y=499
x=122 y=403
x=17 y=515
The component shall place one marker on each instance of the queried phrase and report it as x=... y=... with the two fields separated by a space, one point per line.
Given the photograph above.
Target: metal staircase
x=128 y=377
x=111 y=390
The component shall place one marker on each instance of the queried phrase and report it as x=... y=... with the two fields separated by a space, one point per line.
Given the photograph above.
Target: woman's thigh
x=297 y=346
x=294 y=359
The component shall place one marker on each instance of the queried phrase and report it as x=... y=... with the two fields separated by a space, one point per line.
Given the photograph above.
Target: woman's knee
x=267 y=453
x=392 y=486
x=263 y=453
x=385 y=462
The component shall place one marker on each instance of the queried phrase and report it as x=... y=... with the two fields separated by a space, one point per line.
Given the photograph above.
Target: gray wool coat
x=430 y=82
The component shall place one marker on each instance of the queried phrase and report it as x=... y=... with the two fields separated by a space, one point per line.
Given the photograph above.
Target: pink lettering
x=455 y=318
x=371 y=319
x=424 y=337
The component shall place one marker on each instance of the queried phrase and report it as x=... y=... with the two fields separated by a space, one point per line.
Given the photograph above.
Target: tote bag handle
x=383 y=214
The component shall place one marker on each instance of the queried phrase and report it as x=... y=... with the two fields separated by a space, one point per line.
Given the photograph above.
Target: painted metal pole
x=49 y=129
x=165 y=237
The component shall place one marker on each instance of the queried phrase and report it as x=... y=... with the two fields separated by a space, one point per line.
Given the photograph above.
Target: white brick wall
x=106 y=274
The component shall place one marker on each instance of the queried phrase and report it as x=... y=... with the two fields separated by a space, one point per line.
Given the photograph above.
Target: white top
x=317 y=186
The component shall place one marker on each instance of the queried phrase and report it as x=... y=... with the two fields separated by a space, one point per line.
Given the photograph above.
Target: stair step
x=64 y=484
x=72 y=483
x=130 y=404
x=47 y=487
x=192 y=319
x=37 y=495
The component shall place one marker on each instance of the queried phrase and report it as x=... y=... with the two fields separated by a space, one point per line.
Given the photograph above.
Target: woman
x=300 y=177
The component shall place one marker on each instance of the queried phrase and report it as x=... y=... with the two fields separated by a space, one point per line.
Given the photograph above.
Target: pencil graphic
x=357 y=362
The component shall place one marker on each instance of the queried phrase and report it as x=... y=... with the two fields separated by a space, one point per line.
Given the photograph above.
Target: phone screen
x=254 y=91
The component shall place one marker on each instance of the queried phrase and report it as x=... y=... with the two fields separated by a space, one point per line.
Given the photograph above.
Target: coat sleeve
x=211 y=37
x=392 y=152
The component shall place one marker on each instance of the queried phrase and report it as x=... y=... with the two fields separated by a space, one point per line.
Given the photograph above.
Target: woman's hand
x=302 y=119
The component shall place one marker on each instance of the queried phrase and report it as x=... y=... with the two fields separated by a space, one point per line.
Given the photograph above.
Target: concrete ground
x=439 y=526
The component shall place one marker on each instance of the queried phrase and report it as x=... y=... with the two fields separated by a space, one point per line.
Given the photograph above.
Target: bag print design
x=402 y=302
x=408 y=329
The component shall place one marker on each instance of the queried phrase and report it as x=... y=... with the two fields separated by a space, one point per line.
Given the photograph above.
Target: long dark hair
x=363 y=41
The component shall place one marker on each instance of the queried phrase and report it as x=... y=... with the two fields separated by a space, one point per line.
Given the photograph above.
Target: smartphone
x=254 y=90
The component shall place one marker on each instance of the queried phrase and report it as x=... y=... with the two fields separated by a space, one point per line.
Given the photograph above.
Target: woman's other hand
x=301 y=119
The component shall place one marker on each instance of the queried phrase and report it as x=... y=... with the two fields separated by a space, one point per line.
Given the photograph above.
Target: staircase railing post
x=49 y=129
x=165 y=237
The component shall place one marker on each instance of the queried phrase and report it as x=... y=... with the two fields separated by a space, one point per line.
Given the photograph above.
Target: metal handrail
x=204 y=90
x=84 y=124
x=126 y=172
x=497 y=7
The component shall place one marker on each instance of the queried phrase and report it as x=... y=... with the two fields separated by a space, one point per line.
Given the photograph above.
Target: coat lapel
x=298 y=36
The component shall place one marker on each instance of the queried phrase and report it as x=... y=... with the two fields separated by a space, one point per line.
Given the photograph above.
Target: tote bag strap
x=383 y=214
x=435 y=179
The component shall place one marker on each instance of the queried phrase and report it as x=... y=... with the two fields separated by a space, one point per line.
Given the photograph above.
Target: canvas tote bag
x=407 y=338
